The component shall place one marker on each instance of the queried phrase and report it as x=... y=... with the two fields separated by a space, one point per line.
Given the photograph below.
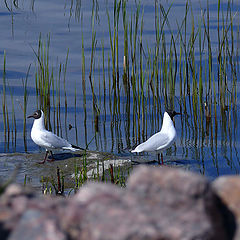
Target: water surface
x=210 y=148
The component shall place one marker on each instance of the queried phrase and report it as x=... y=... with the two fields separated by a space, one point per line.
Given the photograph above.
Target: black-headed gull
x=47 y=139
x=161 y=140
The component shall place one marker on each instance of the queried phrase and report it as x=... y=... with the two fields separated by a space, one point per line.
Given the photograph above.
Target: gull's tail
x=74 y=148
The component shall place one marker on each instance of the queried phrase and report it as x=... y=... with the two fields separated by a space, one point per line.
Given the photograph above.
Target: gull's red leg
x=159 y=159
x=51 y=160
x=162 y=158
x=44 y=160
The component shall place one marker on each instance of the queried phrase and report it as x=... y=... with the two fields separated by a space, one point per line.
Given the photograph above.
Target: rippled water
x=211 y=148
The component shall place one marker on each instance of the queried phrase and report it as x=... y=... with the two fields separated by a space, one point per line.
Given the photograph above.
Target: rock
x=35 y=224
x=109 y=215
x=13 y=203
x=181 y=204
x=158 y=203
x=228 y=189
x=26 y=215
x=15 y=190
x=82 y=217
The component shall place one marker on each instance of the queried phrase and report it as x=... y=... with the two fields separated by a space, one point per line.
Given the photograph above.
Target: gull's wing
x=51 y=140
x=155 y=143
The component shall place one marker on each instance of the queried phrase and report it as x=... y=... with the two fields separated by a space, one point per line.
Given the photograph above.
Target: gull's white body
x=47 y=139
x=161 y=140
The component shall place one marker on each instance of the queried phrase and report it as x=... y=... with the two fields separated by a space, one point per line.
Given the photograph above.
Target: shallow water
x=211 y=148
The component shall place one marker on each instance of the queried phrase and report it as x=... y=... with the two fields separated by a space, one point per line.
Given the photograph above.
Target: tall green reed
x=25 y=101
x=4 y=106
x=48 y=82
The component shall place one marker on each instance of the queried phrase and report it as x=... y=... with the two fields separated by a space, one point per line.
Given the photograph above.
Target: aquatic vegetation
x=126 y=81
x=84 y=171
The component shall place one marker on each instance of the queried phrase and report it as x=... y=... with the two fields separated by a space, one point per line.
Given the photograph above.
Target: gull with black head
x=161 y=140
x=46 y=139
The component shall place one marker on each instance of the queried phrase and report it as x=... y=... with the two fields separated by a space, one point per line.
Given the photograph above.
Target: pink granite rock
x=158 y=203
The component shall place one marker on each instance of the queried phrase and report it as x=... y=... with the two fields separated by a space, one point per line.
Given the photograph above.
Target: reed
x=58 y=184
x=14 y=125
x=48 y=86
x=126 y=55
x=25 y=100
x=42 y=78
x=65 y=94
x=96 y=110
x=114 y=41
x=4 y=108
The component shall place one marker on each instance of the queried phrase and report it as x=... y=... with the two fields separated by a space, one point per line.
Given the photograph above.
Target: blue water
x=211 y=153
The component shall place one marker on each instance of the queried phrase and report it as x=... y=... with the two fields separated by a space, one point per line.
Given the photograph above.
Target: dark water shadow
x=166 y=162
x=182 y=161
x=151 y=162
x=64 y=156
